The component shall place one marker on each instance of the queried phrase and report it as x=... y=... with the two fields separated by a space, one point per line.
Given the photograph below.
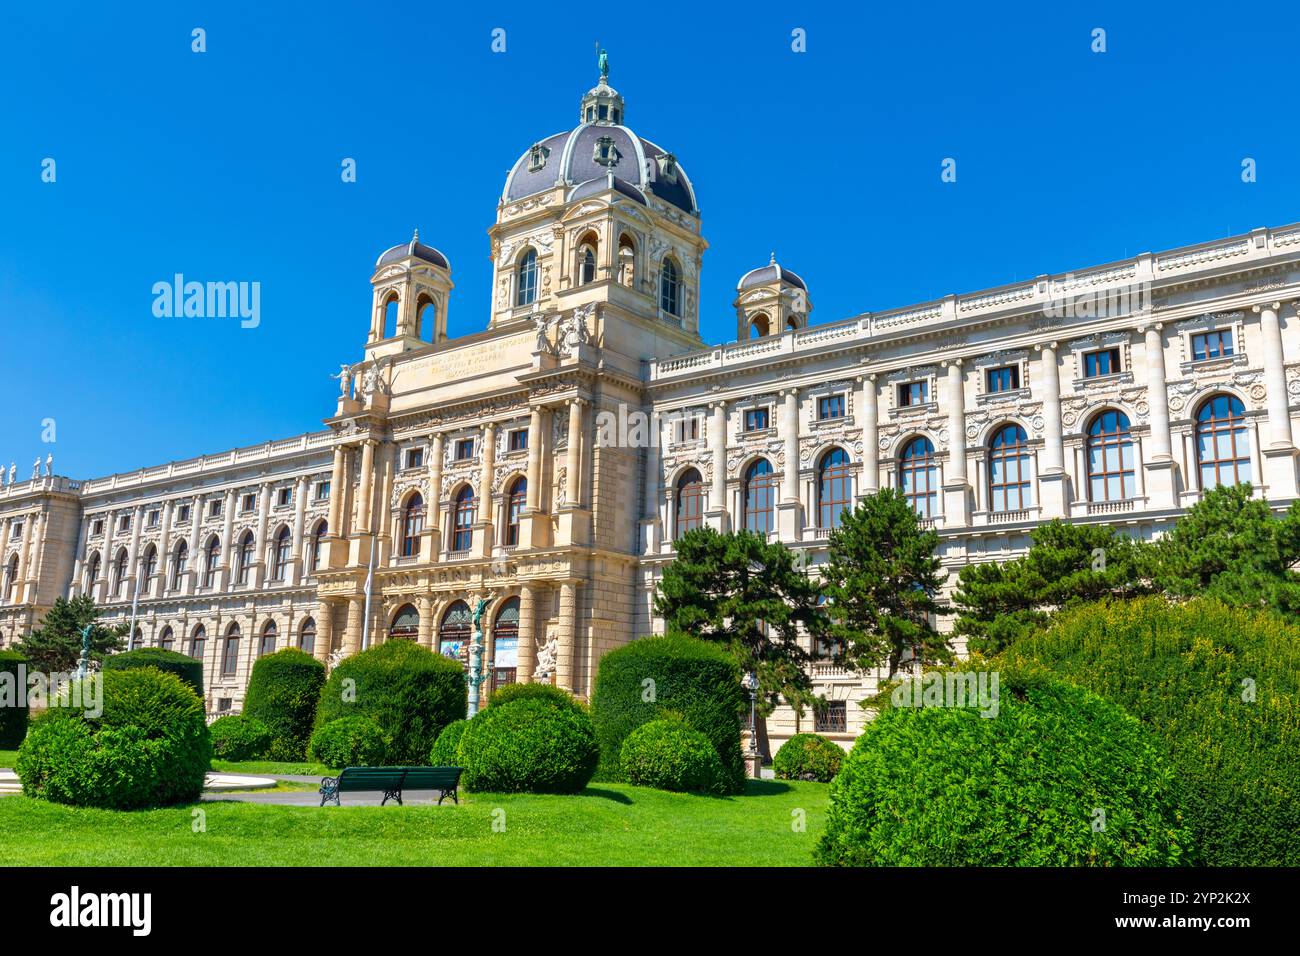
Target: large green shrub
x=239 y=737
x=529 y=746
x=1221 y=688
x=547 y=692
x=148 y=747
x=669 y=755
x=1056 y=777
x=808 y=757
x=656 y=676
x=349 y=742
x=446 y=749
x=409 y=691
x=283 y=692
x=13 y=699
x=182 y=665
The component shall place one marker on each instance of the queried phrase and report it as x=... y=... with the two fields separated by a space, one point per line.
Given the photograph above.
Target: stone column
x=534 y=473
x=1279 y=455
x=133 y=557
x=195 y=567
x=566 y=652
x=527 y=633
x=337 y=479
x=1052 y=478
x=225 y=571
x=102 y=593
x=424 y=637
x=300 y=492
x=653 y=480
x=573 y=463
x=352 y=633
x=956 y=489
x=790 y=433
x=260 y=563
x=366 y=490
x=717 y=514
x=488 y=463
x=324 y=629
x=1159 y=464
x=165 y=556
x=24 y=559
x=433 y=499
x=870 y=436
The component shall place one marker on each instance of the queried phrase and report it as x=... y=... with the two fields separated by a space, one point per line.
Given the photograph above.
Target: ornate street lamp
x=750 y=683
x=477 y=673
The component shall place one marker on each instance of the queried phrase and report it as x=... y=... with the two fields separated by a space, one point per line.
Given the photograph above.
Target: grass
x=297 y=768
x=606 y=825
x=8 y=759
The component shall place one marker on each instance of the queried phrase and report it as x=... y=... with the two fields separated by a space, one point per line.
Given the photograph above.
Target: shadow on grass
x=613 y=795
x=765 y=788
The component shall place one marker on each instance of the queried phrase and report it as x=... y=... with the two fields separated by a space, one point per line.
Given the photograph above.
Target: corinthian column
x=789 y=520
x=1279 y=455
x=566 y=651
x=366 y=490
x=1159 y=465
x=1051 y=476
x=573 y=462
x=870 y=436
x=956 y=490
x=717 y=513
x=527 y=634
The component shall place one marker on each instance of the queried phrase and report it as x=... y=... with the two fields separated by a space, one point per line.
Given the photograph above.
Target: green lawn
x=298 y=768
x=608 y=824
x=8 y=758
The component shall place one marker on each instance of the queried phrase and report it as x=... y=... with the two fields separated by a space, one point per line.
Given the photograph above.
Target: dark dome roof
x=764 y=275
x=416 y=249
x=594 y=187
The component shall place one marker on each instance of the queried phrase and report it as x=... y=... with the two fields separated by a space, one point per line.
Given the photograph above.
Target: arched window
x=280 y=554
x=390 y=316
x=92 y=575
x=198 y=642
x=166 y=639
x=791 y=324
x=137 y=640
x=690 y=503
x=670 y=288
x=918 y=477
x=626 y=260
x=1112 y=475
x=834 y=487
x=406 y=623
x=269 y=635
x=230 y=652
x=1009 y=470
x=412 y=525
x=505 y=644
x=211 y=559
x=428 y=319
x=759 y=326
x=463 y=516
x=307 y=636
x=11 y=580
x=455 y=630
x=246 y=545
x=757 y=497
x=317 y=543
x=515 y=502
x=587 y=259
x=1222 y=445
x=150 y=565
x=180 y=561
x=119 y=574
x=526 y=279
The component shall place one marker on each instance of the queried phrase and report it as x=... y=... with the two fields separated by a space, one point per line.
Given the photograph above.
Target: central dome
x=601 y=153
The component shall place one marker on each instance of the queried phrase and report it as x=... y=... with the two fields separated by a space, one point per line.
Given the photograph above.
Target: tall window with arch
x=230 y=652
x=1009 y=470
x=526 y=279
x=454 y=630
x=412 y=525
x=119 y=574
x=198 y=642
x=406 y=623
x=1222 y=442
x=834 y=487
x=516 y=499
x=307 y=636
x=92 y=573
x=626 y=261
x=391 y=307
x=670 y=288
x=587 y=259
x=918 y=476
x=180 y=561
x=246 y=548
x=280 y=552
x=211 y=560
x=759 y=326
x=318 y=544
x=150 y=566
x=11 y=580
x=690 y=503
x=758 y=495
x=505 y=644
x=427 y=319
x=270 y=634
x=464 y=513
x=167 y=639
x=1112 y=472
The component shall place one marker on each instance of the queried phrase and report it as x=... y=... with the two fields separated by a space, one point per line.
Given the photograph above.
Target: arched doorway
x=505 y=645
x=455 y=631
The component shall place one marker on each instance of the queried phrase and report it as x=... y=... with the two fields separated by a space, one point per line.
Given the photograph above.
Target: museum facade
x=547 y=463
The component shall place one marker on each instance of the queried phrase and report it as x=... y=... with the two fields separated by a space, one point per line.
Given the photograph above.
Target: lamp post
x=750 y=683
x=83 y=666
x=476 y=674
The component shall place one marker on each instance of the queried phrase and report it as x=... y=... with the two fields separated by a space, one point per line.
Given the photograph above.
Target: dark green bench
x=391 y=781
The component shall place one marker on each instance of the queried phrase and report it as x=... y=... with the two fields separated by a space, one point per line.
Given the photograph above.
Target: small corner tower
x=770 y=300
x=412 y=286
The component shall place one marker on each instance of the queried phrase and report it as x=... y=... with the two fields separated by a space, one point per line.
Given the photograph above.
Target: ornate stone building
x=547 y=463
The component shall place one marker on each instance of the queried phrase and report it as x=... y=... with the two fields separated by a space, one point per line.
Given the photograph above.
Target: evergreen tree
x=55 y=646
x=880 y=582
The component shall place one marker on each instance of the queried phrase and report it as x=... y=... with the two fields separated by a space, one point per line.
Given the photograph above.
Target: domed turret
x=770 y=300
x=411 y=283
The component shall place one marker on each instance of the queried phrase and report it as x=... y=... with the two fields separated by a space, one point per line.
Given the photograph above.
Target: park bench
x=391 y=781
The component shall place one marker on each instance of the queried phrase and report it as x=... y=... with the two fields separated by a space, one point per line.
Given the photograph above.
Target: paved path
x=310 y=798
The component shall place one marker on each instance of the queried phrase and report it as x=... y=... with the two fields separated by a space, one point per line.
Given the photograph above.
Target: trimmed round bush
x=349 y=742
x=409 y=691
x=528 y=746
x=13 y=711
x=654 y=676
x=808 y=757
x=669 y=755
x=446 y=749
x=547 y=692
x=149 y=745
x=182 y=665
x=239 y=737
x=283 y=691
x=1221 y=688
x=949 y=786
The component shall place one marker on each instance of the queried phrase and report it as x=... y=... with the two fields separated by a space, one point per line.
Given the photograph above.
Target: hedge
x=808 y=757
x=148 y=747
x=547 y=692
x=13 y=699
x=446 y=749
x=238 y=737
x=655 y=676
x=528 y=745
x=669 y=755
x=182 y=665
x=349 y=742
x=283 y=691
x=1221 y=688
x=1058 y=777
x=409 y=691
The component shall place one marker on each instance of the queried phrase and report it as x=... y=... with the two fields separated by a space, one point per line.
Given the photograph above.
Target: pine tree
x=55 y=646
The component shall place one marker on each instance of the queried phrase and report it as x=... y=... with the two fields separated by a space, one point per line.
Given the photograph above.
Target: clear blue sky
x=225 y=166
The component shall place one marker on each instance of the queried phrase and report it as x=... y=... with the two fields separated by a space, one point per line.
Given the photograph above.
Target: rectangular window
x=125 y=523
x=230 y=659
x=284 y=496
x=250 y=503
x=1005 y=379
x=756 y=419
x=214 y=508
x=1101 y=362
x=911 y=393
x=1208 y=345
x=414 y=457
x=518 y=440
x=17 y=531
x=464 y=449
x=830 y=406
x=322 y=490
x=153 y=519
x=184 y=513
x=688 y=429
x=833 y=718
x=223 y=704
x=97 y=527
